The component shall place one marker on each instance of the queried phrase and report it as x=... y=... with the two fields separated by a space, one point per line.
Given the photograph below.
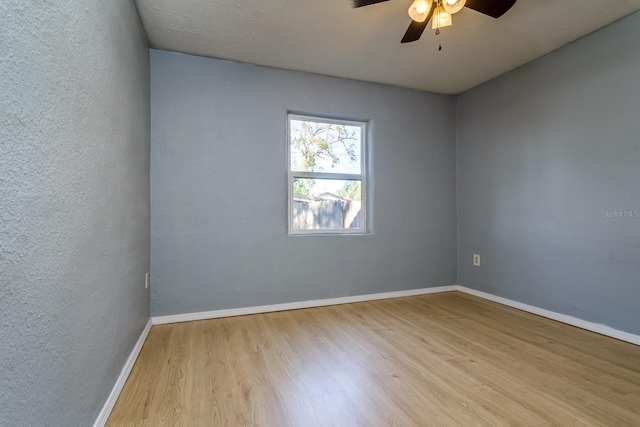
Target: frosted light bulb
x=419 y=10
x=454 y=6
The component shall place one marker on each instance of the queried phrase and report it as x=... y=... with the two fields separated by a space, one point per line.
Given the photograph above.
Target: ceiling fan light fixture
x=453 y=6
x=419 y=10
x=440 y=18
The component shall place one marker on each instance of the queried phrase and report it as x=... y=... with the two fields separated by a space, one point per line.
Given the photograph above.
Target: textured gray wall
x=542 y=152
x=219 y=199
x=74 y=205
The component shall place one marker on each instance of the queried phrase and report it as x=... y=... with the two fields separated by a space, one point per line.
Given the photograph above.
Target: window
x=327 y=175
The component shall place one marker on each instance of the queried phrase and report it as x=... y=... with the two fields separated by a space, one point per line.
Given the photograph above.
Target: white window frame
x=362 y=176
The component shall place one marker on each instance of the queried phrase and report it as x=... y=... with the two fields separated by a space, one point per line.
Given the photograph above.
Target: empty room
x=319 y=213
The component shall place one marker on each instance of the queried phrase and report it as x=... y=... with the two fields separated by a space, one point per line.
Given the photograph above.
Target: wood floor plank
x=442 y=359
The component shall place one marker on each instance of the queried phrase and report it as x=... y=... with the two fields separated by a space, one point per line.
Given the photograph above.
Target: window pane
x=325 y=147
x=327 y=204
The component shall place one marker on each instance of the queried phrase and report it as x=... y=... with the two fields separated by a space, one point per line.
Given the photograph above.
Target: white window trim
x=362 y=177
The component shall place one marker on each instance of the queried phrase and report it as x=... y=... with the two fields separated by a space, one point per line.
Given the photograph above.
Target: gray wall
x=542 y=152
x=74 y=205
x=218 y=188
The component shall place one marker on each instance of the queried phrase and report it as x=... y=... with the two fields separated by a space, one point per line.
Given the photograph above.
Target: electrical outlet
x=146 y=280
x=476 y=260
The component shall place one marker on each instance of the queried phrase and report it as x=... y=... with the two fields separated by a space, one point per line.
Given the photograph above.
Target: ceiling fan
x=421 y=11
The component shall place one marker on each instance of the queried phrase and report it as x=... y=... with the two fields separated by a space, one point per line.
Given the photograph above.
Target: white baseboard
x=570 y=320
x=188 y=317
x=122 y=378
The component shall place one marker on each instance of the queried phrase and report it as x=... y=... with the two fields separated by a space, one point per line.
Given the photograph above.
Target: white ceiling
x=329 y=37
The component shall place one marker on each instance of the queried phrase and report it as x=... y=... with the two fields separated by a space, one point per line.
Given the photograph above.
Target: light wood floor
x=443 y=359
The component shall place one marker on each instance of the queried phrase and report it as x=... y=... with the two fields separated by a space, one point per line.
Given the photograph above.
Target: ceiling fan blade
x=360 y=3
x=416 y=29
x=493 y=8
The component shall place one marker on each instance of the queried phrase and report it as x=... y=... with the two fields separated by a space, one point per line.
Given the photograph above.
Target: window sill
x=326 y=234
